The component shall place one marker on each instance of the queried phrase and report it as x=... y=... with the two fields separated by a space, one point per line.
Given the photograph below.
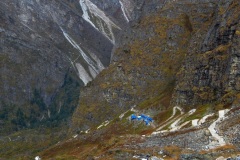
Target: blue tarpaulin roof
x=133 y=116
x=143 y=117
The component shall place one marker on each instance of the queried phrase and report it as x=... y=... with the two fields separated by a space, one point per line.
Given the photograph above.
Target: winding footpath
x=175 y=120
x=203 y=120
x=175 y=125
x=170 y=120
x=214 y=132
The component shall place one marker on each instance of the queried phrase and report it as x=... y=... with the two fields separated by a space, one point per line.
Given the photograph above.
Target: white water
x=85 y=57
x=85 y=13
x=124 y=11
x=90 y=10
x=94 y=66
x=97 y=12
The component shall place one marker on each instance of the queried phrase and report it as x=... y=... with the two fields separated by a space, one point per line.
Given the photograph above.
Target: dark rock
x=193 y=157
x=36 y=55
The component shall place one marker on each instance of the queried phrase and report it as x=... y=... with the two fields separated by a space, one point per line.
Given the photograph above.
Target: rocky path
x=175 y=125
x=174 y=112
x=203 y=120
x=170 y=120
x=214 y=132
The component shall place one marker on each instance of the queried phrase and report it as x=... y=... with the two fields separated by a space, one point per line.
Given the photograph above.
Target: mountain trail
x=214 y=132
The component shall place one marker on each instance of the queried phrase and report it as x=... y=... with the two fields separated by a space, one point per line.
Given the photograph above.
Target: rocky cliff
x=48 y=51
x=211 y=70
x=176 y=61
x=176 y=53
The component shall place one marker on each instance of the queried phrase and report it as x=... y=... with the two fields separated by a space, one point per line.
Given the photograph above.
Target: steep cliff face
x=211 y=70
x=48 y=51
x=177 y=63
x=175 y=60
x=176 y=53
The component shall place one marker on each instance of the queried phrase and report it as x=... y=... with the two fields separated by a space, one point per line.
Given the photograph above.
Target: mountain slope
x=47 y=49
x=185 y=53
x=175 y=61
x=145 y=65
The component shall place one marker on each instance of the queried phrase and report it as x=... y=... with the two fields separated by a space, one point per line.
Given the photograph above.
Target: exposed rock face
x=49 y=50
x=211 y=69
x=162 y=53
x=183 y=52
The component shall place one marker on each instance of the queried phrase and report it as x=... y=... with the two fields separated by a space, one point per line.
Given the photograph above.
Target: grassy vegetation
x=35 y=113
x=200 y=112
x=66 y=100
x=145 y=71
x=26 y=144
x=31 y=134
x=163 y=116
x=238 y=32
